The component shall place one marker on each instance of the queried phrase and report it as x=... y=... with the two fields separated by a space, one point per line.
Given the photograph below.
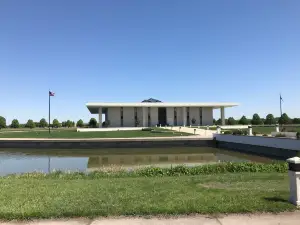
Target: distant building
x=152 y=112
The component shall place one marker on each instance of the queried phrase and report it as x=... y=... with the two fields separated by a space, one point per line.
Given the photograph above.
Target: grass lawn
x=53 y=197
x=263 y=130
x=71 y=133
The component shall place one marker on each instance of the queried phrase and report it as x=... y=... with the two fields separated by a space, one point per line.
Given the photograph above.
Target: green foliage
x=2 y=122
x=228 y=167
x=219 y=122
x=265 y=135
x=284 y=119
x=243 y=120
x=280 y=135
x=106 y=123
x=147 y=129
x=270 y=119
x=296 y=121
x=237 y=132
x=193 y=121
x=43 y=123
x=298 y=135
x=30 y=124
x=55 y=123
x=256 y=120
x=93 y=123
x=15 y=124
x=227 y=132
x=79 y=123
x=254 y=133
x=231 y=121
x=68 y=123
x=245 y=132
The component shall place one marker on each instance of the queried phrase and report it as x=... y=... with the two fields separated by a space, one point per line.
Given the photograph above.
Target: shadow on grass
x=276 y=199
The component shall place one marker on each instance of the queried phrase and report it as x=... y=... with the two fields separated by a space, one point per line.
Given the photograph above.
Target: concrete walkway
x=257 y=219
x=199 y=132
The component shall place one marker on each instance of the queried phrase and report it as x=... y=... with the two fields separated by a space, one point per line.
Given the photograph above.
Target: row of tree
x=43 y=123
x=257 y=120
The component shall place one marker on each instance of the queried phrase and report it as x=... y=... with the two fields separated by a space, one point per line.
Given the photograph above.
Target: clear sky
x=129 y=50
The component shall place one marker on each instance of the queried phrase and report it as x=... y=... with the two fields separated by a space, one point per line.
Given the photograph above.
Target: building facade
x=150 y=114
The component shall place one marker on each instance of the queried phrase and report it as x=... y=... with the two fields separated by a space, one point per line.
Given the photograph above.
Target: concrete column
x=100 y=116
x=294 y=175
x=277 y=127
x=223 y=115
x=218 y=130
x=184 y=116
x=145 y=114
x=250 y=130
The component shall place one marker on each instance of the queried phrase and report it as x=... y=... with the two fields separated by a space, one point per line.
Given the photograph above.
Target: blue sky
x=117 y=51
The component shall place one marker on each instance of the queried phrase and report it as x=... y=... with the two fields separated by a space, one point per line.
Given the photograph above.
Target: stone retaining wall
x=77 y=144
x=276 y=153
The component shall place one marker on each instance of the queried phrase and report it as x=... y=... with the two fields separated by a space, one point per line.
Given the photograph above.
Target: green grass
x=71 y=133
x=59 y=196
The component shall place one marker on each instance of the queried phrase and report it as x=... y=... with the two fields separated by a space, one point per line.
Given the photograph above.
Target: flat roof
x=94 y=106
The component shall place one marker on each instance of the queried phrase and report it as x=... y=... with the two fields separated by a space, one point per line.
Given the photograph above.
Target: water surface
x=45 y=160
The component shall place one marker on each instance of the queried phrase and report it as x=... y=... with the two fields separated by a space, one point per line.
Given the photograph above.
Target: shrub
x=244 y=132
x=237 y=132
x=147 y=129
x=298 y=135
x=106 y=123
x=254 y=133
x=93 y=123
x=280 y=135
x=227 y=132
x=265 y=135
x=193 y=121
x=279 y=167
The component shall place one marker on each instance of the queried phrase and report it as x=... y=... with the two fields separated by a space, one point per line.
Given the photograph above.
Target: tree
x=243 y=120
x=15 y=124
x=231 y=121
x=270 y=119
x=256 y=119
x=55 y=123
x=79 y=123
x=93 y=122
x=30 y=124
x=2 y=122
x=219 y=122
x=284 y=119
x=214 y=121
x=63 y=124
x=68 y=123
x=73 y=124
x=296 y=121
x=43 y=123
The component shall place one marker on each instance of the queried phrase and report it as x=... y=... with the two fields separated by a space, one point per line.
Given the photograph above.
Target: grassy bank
x=119 y=193
x=71 y=133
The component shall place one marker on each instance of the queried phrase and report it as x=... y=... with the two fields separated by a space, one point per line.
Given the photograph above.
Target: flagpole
x=49 y=110
x=280 y=100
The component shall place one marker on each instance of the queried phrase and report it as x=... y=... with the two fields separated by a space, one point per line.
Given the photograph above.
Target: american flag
x=51 y=93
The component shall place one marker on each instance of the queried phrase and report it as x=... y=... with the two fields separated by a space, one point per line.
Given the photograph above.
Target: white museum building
x=152 y=112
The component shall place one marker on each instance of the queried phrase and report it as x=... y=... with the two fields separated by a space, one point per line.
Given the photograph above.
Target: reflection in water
x=29 y=160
